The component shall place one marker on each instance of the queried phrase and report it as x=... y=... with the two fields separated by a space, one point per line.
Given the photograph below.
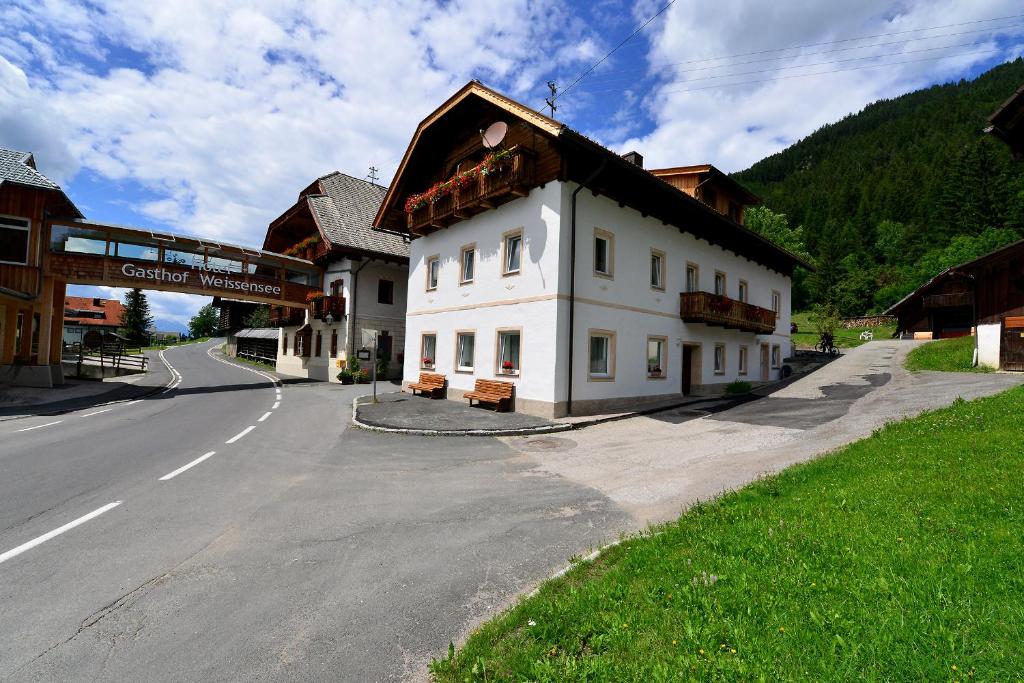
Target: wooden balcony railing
x=715 y=309
x=285 y=316
x=513 y=177
x=948 y=300
x=333 y=305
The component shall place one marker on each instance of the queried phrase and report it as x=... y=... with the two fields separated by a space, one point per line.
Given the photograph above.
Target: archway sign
x=87 y=253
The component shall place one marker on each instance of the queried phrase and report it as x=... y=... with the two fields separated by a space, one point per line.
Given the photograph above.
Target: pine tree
x=136 y=320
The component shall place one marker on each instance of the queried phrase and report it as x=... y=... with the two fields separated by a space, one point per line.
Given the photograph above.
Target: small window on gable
x=743 y=360
x=743 y=293
x=433 y=272
x=657 y=270
x=14 y=238
x=719 y=283
x=719 y=359
x=337 y=287
x=776 y=303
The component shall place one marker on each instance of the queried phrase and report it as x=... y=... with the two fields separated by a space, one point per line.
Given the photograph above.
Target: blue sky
x=208 y=117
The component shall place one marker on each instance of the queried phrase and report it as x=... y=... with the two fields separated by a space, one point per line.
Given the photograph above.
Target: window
x=319 y=344
x=734 y=212
x=776 y=356
x=428 y=351
x=692 y=278
x=776 y=303
x=719 y=283
x=80 y=240
x=334 y=343
x=508 y=352
x=657 y=270
x=464 y=348
x=743 y=291
x=656 y=357
x=337 y=286
x=743 y=360
x=284 y=347
x=604 y=253
x=512 y=246
x=143 y=252
x=14 y=237
x=602 y=355
x=433 y=269
x=467 y=263
x=719 y=359
x=385 y=292
x=710 y=198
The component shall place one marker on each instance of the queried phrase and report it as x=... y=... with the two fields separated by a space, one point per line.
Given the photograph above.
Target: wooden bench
x=492 y=391
x=430 y=384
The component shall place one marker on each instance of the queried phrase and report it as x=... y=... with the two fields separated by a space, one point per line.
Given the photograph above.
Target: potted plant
x=345 y=377
x=362 y=377
x=508 y=368
x=428 y=363
x=653 y=369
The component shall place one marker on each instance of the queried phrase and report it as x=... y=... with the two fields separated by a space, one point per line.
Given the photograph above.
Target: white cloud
x=696 y=121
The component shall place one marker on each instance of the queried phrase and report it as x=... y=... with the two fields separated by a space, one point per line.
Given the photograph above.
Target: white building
x=585 y=280
x=364 y=283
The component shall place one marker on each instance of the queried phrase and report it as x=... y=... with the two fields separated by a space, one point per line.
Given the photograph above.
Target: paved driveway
x=655 y=466
x=306 y=550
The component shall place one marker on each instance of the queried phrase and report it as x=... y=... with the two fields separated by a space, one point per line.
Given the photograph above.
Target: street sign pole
x=374 y=368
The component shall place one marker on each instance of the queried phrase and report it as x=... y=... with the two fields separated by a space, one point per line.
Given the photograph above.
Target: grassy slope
x=806 y=338
x=898 y=558
x=948 y=355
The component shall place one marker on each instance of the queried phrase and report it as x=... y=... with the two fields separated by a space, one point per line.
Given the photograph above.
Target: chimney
x=634 y=158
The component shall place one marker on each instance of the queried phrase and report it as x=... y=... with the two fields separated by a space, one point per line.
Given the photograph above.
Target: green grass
x=254 y=363
x=947 y=355
x=806 y=338
x=898 y=557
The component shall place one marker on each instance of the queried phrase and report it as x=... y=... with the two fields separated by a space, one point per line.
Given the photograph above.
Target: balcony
x=512 y=178
x=284 y=316
x=948 y=300
x=715 y=309
x=328 y=305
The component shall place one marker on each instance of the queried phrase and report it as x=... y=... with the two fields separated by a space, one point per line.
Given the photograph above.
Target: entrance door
x=766 y=356
x=687 y=370
x=1011 y=350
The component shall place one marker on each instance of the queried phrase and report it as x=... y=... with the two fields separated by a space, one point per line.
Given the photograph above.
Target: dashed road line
x=48 y=424
x=240 y=434
x=277 y=404
x=265 y=416
x=172 y=475
x=14 y=552
x=105 y=410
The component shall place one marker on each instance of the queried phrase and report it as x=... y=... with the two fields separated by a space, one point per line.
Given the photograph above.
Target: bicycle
x=827 y=345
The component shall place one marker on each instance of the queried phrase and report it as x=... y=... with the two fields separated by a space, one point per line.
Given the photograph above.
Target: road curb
x=522 y=431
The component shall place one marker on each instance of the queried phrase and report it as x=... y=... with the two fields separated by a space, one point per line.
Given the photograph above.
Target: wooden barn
x=984 y=296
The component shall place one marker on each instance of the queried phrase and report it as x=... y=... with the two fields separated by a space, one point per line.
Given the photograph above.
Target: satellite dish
x=494 y=134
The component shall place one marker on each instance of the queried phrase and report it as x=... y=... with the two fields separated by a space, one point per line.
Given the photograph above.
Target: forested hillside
x=888 y=197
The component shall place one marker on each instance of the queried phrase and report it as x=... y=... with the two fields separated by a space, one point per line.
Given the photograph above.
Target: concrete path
x=656 y=466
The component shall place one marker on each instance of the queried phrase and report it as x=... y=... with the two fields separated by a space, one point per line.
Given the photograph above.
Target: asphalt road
x=298 y=550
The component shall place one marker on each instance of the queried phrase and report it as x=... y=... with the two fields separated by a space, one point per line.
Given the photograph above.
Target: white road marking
x=240 y=434
x=48 y=424
x=105 y=410
x=277 y=404
x=14 y=552
x=181 y=469
x=265 y=416
x=131 y=403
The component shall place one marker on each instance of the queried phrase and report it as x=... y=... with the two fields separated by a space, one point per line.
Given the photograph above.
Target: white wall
x=537 y=299
x=989 y=339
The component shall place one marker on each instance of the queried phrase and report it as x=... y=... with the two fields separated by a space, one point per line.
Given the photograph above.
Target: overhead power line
x=615 y=49
x=806 y=66
x=762 y=60
x=823 y=73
